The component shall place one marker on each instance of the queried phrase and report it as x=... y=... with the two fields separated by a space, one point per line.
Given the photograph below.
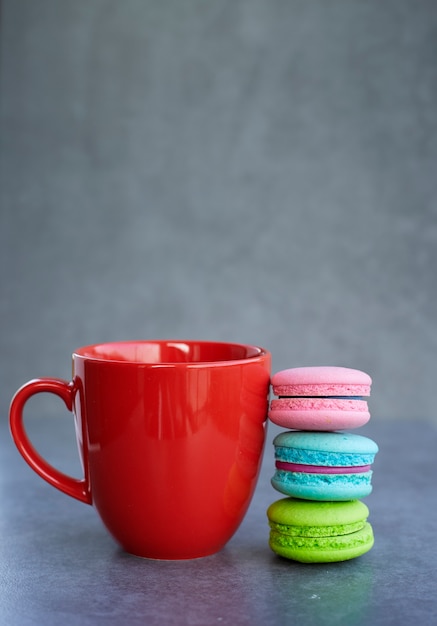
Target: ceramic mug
x=170 y=436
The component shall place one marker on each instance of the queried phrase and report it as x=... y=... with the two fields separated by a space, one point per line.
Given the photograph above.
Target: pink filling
x=321 y=469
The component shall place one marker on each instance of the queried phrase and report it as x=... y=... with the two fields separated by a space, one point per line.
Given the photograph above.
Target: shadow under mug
x=170 y=435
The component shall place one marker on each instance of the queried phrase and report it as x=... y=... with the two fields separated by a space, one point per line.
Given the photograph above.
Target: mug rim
x=89 y=353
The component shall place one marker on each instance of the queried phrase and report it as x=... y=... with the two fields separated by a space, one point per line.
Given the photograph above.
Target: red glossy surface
x=171 y=436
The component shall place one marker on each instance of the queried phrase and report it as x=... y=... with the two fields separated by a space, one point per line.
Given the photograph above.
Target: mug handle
x=73 y=487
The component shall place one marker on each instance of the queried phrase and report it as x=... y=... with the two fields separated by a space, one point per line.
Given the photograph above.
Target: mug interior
x=169 y=352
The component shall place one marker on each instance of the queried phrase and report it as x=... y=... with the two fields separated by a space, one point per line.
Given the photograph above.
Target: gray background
x=261 y=171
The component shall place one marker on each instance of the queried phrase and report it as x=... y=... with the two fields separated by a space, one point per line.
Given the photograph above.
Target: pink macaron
x=320 y=398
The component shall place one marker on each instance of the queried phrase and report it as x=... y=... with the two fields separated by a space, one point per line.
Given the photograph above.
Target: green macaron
x=319 y=532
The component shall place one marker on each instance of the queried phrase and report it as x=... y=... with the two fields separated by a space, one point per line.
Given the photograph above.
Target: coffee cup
x=170 y=436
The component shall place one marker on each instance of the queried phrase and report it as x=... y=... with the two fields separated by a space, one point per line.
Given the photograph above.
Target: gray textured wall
x=256 y=170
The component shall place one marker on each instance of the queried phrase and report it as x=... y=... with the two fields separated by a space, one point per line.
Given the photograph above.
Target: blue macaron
x=323 y=465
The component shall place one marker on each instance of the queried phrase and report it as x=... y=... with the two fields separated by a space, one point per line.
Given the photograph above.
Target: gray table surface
x=59 y=566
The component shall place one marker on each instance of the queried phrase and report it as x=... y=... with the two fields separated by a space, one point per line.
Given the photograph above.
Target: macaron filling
x=320 y=469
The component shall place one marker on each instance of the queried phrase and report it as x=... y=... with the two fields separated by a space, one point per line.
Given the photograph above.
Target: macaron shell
x=354 y=405
x=316 y=531
x=290 y=512
x=326 y=442
x=323 y=487
x=321 y=390
x=323 y=549
x=321 y=381
x=319 y=413
x=322 y=459
x=319 y=420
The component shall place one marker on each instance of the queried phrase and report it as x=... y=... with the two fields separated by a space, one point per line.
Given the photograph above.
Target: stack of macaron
x=323 y=470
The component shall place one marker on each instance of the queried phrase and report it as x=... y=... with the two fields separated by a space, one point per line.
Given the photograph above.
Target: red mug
x=170 y=434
